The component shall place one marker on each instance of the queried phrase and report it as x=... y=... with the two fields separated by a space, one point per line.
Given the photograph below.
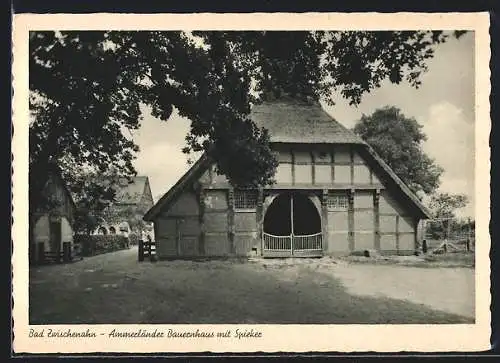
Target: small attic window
x=245 y=199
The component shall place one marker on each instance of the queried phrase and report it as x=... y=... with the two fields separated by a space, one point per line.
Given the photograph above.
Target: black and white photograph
x=204 y=184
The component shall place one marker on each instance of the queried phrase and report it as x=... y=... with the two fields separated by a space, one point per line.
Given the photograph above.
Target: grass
x=463 y=259
x=115 y=288
x=429 y=260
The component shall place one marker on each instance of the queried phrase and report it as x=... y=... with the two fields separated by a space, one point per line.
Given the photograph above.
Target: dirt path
x=446 y=289
x=115 y=288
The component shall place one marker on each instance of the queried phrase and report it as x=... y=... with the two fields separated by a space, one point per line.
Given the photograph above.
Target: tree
x=86 y=88
x=91 y=200
x=398 y=141
x=443 y=207
x=126 y=213
x=92 y=192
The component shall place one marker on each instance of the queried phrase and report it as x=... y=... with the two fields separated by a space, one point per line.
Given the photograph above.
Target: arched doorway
x=292 y=226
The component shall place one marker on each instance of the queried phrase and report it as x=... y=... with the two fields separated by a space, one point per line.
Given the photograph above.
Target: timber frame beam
x=376 y=214
x=324 y=217
x=350 y=221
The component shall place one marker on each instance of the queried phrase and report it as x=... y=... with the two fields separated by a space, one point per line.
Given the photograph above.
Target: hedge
x=91 y=245
x=134 y=238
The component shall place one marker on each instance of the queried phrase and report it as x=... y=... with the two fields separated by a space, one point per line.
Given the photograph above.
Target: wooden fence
x=39 y=256
x=445 y=246
x=147 y=249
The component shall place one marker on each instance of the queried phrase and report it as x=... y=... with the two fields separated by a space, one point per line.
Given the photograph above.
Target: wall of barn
x=228 y=229
x=373 y=217
x=177 y=229
x=371 y=221
x=318 y=166
x=217 y=242
x=216 y=229
x=207 y=223
x=42 y=231
x=322 y=166
x=57 y=192
x=246 y=233
x=398 y=229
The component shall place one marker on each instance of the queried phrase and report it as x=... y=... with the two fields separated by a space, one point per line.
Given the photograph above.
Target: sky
x=443 y=105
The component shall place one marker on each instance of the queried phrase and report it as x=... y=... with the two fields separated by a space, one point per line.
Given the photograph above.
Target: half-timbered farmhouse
x=132 y=199
x=52 y=235
x=333 y=196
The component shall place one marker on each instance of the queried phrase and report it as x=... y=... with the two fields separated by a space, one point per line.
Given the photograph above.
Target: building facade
x=333 y=196
x=132 y=200
x=53 y=227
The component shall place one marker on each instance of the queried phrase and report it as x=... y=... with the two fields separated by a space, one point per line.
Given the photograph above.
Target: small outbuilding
x=333 y=196
x=52 y=235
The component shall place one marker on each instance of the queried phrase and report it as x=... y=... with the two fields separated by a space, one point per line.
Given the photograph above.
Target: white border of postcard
x=275 y=338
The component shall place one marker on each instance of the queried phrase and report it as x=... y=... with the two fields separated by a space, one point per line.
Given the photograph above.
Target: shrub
x=96 y=244
x=134 y=238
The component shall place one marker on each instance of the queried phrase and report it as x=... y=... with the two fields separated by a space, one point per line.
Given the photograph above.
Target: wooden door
x=187 y=237
x=55 y=236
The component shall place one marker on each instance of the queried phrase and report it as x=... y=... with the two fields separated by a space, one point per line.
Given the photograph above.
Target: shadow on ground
x=115 y=288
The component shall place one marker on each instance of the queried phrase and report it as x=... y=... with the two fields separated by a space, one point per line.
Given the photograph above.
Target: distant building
x=132 y=200
x=333 y=196
x=53 y=226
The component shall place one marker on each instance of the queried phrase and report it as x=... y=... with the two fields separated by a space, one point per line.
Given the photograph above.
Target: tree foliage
x=444 y=205
x=398 y=141
x=126 y=213
x=86 y=88
x=92 y=191
x=446 y=223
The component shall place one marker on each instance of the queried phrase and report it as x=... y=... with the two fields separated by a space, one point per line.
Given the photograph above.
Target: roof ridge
x=203 y=161
x=290 y=120
x=342 y=125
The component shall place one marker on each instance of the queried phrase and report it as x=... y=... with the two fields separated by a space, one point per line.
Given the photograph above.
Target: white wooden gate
x=310 y=245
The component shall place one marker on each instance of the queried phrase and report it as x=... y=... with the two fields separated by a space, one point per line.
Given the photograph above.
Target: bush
x=134 y=238
x=91 y=245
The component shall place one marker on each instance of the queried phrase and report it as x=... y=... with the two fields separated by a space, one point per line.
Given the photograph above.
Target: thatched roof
x=426 y=213
x=128 y=195
x=130 y=192
x=292 y=120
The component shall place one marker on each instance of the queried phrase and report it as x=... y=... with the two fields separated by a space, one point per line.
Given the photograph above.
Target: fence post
x=467 y=244
x=424 y=246
x=141 y=250
x=151 y=257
